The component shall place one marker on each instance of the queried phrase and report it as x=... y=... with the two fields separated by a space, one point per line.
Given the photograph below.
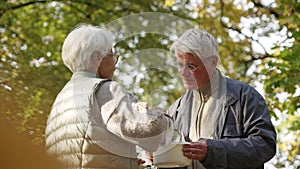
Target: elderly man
x=227 y=121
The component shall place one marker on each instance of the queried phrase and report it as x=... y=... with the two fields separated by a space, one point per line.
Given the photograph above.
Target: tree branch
x=265 y=55
x=27 y=3
x=11 y=7
x=270 y=10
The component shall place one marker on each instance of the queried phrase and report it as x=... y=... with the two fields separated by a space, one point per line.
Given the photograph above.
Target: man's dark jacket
x=244 y=136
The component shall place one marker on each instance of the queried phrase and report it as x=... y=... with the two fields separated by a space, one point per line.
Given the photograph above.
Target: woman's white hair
x=80 y=45
x=198 y=42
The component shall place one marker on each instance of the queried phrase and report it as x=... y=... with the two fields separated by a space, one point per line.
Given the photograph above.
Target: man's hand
x=195 y=150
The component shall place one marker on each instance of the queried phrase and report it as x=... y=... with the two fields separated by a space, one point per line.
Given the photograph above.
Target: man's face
x=193 y=71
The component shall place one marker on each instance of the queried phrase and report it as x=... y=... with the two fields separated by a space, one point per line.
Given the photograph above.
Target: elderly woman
x=94 y=122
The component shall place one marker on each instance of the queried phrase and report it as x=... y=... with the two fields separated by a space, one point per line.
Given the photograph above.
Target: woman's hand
x=146 y=158
x=140 y=162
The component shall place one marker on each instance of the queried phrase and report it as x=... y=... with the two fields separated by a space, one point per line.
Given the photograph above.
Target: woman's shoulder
x=112 y=87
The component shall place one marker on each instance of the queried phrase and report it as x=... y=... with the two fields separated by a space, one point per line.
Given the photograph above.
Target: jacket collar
x=230 y=95
x=80 y=74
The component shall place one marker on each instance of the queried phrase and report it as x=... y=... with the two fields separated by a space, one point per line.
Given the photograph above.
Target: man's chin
x=190 y=86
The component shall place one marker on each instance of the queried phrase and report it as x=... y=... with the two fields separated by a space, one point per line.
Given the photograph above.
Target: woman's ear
x=97 y=58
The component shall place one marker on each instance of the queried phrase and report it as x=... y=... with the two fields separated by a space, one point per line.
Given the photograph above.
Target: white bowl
x=170 y=156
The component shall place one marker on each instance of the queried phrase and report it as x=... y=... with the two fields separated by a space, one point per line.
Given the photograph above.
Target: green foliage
x=32 y=72
x=283 y=78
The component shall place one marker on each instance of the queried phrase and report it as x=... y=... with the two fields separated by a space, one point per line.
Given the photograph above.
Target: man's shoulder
x=236 y=84
x=182 y=99
x=237 y=87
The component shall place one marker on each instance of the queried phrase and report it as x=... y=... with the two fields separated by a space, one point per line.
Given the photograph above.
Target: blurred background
x=258 y=44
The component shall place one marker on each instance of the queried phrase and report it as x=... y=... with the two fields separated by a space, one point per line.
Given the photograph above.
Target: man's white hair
x=198 y=42
x=80 y=45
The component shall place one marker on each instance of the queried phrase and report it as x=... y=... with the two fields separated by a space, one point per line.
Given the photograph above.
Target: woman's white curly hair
x=81 y=43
